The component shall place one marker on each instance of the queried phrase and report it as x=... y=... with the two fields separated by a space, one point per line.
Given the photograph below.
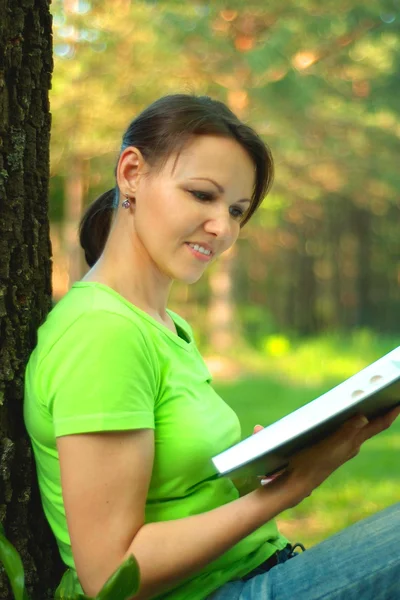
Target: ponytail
x=95 y=226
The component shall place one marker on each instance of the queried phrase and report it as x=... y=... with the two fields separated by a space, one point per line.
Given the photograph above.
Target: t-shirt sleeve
x=100 y=376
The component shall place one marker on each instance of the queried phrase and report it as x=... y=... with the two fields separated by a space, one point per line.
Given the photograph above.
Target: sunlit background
x=311 y=293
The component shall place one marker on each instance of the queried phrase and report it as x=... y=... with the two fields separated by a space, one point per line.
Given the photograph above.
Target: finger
x=269 y=478
x=352 y=427
x=358 y=422
x=394 y=413
x=257 y=428
x=380 y=424
x=351 y=435
x=391 y=416
x=273 y=475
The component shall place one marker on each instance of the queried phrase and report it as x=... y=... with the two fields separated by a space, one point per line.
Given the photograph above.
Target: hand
x=265 y=479
x=310 y=467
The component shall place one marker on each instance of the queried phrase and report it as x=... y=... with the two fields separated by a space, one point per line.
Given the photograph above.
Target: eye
x=202 y=196
x=236 y=212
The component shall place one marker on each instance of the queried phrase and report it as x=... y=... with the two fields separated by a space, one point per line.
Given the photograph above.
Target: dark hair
x=163 y=129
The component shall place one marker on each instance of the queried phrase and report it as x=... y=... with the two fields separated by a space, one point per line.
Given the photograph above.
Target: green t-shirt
x=102 y=364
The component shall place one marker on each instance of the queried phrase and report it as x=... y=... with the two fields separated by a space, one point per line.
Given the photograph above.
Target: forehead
x=219 y=158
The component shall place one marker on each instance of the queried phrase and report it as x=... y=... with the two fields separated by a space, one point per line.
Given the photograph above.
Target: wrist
x=274 y=498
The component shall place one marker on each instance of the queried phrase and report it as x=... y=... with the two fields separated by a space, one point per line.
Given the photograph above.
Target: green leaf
x=123 y=584
x=67 y=588
x=12 y=562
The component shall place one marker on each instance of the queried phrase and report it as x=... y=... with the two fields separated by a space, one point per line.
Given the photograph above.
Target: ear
x=130 y=168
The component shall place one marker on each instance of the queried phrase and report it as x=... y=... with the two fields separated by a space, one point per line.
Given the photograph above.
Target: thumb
x=359 y=421
x=354 y=423
x=257 y=428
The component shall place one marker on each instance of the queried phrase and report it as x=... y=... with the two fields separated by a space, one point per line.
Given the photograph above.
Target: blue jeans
x=361 y=562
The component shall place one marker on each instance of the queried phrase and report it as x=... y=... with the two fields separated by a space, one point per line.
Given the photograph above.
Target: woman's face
x=194 y=206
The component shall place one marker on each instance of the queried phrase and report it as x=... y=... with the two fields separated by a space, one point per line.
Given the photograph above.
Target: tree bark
x=25 y=273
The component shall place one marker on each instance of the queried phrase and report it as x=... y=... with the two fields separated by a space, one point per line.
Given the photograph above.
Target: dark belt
x=280 y=556
x=272 y=561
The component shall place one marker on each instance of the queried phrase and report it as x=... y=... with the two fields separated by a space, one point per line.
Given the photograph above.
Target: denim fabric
x=361 y=562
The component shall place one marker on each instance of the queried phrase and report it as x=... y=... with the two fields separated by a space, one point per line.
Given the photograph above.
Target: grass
x=364 y=485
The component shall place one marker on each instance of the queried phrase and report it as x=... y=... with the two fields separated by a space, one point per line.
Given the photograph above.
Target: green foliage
x=12 y=563
x=257 y=323
x=314 y=361
x=324 y=359
x=67 y=588
x=122 y=585
x=276 y=345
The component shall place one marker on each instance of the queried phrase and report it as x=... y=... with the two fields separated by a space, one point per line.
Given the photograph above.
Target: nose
x=220 y=224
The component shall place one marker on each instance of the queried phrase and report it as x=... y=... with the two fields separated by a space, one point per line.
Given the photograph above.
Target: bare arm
x=105 y=479
x=172 y=550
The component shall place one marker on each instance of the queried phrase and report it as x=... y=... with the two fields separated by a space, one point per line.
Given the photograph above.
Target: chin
x=188 y=278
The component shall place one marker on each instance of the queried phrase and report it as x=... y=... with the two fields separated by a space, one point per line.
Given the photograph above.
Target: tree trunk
x=221 y=310
x=25 y=273
x=362 y=228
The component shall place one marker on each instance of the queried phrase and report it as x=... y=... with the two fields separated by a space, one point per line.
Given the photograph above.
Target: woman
x=119 y=406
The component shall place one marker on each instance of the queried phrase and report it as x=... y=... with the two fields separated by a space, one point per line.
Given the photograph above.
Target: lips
x=199 y=255
x=204 y=245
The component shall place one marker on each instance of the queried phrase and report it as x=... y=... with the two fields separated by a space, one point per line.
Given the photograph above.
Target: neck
x=126 y=267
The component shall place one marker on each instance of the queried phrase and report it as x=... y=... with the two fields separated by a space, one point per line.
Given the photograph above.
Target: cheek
x=157 y=232
x=166 y=210
x=234 y=235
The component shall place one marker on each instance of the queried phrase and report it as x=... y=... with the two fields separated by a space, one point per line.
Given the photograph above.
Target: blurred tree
x=110 y=63
x=25 y=271
x=315 y=80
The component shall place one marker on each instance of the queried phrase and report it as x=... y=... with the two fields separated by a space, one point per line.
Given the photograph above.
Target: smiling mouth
x=201 y=255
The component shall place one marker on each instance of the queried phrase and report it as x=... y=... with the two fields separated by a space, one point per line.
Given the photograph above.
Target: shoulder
x=87 y=331
x=88 y=315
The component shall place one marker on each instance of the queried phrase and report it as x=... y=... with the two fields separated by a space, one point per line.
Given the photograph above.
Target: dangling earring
x=126 y=203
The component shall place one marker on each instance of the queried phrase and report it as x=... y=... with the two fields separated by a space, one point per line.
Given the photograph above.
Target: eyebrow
x=218 y=186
